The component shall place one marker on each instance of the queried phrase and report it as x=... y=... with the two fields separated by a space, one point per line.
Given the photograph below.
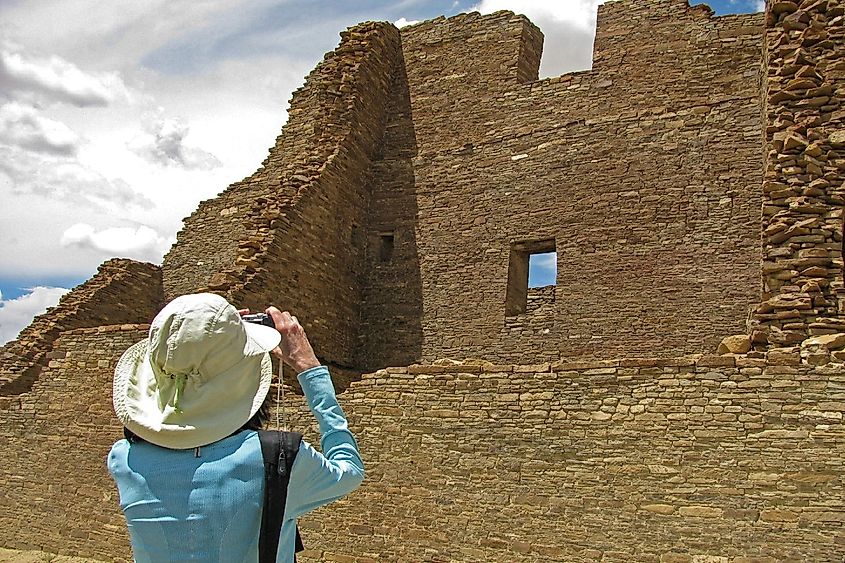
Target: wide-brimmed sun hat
x=199 y=376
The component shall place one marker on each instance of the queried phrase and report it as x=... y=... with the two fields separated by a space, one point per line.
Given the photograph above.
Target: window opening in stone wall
x=355 y=235
x=542 y=269
x=385 y=253
x=539 y=256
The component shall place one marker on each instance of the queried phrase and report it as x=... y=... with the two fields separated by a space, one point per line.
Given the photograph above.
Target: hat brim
x=260 y=339
x=226 y=403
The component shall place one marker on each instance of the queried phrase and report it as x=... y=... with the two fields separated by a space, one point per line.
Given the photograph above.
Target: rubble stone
x=737 y=344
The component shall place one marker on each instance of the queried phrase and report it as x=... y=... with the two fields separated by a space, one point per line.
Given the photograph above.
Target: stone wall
x=720 y=458
x=392 y=288
x=413 y=166
x=804 y=188
x=645 y=172
x=395 y=193
x=122 y=291
x=285 y=236
x=57 y=494
x=671 y=460
x=536 y=322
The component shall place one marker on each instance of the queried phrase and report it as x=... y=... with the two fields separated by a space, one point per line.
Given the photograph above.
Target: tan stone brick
x=778 y=515
x=700 y=511
x=659 y=508
x=716 y=361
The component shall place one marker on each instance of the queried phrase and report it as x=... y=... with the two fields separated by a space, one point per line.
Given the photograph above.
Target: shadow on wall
x=391 y=332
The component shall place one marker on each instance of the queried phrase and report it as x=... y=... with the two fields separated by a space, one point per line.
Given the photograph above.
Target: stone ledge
x=107 y=328
x=777 y=361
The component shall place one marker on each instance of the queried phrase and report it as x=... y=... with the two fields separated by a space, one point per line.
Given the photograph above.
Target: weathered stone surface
x=780 y=7
x=122 y=291
x=737 y=344
x=801 y=142
x=472 y=440
x=659 y=508
x=453 y=127
x=829 y=341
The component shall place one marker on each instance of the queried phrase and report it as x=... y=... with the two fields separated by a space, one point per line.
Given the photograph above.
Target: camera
x=259 y=319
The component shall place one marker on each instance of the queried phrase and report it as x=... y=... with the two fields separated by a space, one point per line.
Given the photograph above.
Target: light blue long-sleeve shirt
x=180 y=507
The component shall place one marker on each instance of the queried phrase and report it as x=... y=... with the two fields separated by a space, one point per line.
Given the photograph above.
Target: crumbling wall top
x=478 y=51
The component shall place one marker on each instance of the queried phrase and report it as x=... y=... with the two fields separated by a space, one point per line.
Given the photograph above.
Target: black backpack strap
x=279 y=450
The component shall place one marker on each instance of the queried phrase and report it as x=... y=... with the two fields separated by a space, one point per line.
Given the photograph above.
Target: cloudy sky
x=118 y=117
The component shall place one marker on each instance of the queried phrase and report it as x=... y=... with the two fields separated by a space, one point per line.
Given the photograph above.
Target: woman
x=190 y=473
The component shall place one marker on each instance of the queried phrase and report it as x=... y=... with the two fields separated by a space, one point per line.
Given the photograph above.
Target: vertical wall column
x=803 y=195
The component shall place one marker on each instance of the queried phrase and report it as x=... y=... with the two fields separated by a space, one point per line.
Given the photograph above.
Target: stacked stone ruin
x=677 y=396
x=803 y=197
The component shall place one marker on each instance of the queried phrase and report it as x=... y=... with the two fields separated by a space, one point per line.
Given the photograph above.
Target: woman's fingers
x=284 y=321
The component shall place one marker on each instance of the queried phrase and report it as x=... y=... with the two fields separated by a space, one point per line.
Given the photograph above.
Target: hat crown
x=196 y=334
x=200 y=374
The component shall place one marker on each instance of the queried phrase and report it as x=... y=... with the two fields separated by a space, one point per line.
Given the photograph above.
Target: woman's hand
x=294 y=349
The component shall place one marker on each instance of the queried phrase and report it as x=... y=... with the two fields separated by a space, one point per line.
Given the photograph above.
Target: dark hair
x=261 y=416
x=257 y=422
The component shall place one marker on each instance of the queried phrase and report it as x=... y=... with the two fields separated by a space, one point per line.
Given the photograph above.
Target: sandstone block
x=717 y=361
x=778 y=515
x=698 y=511
x=783 y=357
x=783 y=7
x=837 y=138
x=828 y=341
x=659 y=508
x=736 y=344
x=781 y=435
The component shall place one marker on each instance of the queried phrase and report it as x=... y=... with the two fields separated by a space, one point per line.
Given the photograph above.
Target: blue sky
x=117 y=118
x=723 y=7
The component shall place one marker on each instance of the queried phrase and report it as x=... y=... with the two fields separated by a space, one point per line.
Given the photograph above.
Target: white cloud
x=16 y=314
x=112 y=34
x=402 y=22
x=163 y=143
x=61 y=177
x=140 y=243
x=544 y=260
x=54 y=79
x=579 y=12
x=24 y=127
x=568 y=25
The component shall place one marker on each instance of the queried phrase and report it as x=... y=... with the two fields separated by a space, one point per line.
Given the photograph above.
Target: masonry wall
x=122 y=291
x=804 y=187
x=448 y=150
x=57 y=494
x=645 y=173
x=737 y=457
x=287 y=235
x=728 y=459
x=392 y=288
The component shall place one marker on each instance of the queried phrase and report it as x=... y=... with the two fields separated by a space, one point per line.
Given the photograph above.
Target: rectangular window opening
x=355 y=235
x=532 y=264
x=385 y=253
x=542 y=269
